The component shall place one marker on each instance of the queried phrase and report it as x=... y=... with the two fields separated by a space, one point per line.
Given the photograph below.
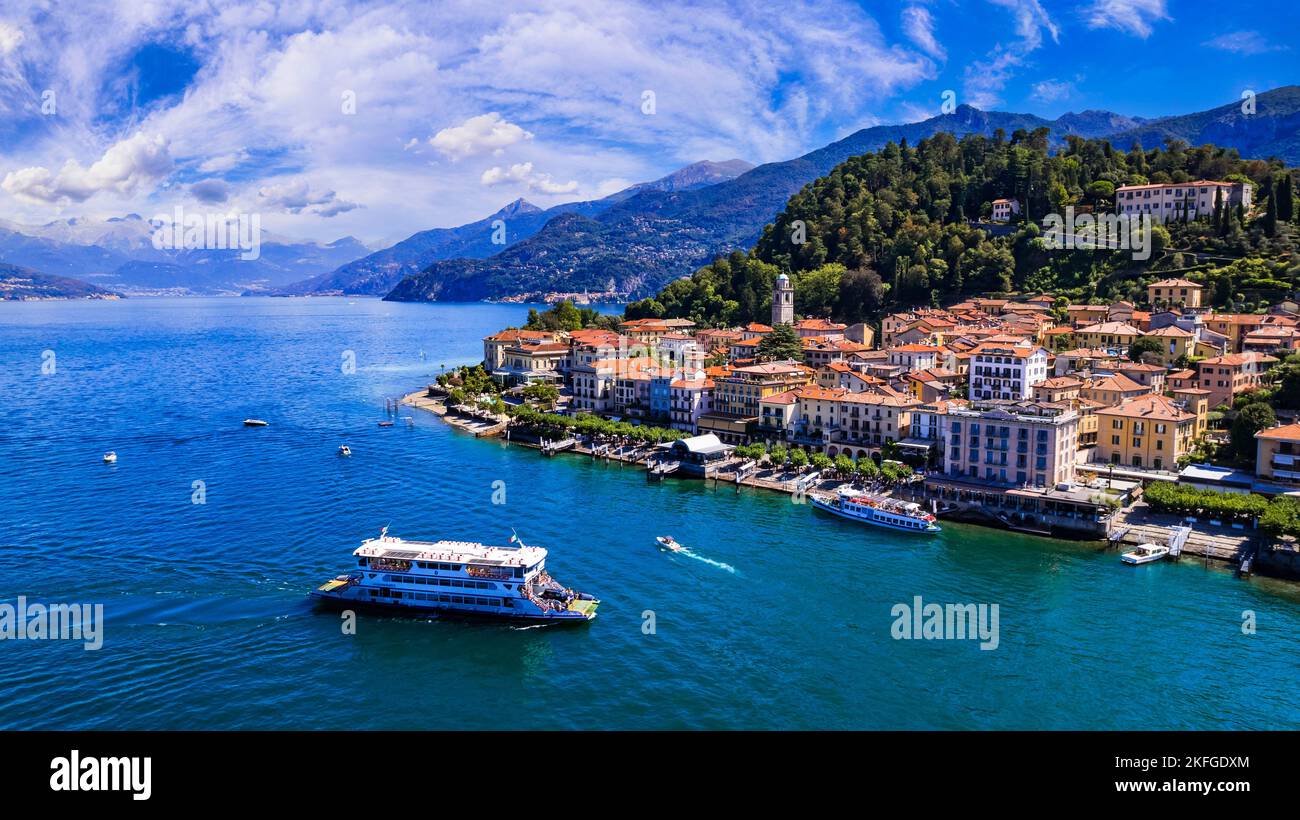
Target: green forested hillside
x=891 y=229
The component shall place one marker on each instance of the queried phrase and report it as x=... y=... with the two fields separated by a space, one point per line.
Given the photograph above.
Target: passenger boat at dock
x=879 y=510
x=457 y=577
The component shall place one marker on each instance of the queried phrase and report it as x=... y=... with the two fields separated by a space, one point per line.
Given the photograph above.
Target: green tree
x=1250 y=420
x=1145 y=347
x=782 y=344
x=543 y=394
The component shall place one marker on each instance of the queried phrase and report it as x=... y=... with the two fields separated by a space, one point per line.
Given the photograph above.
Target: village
x=1030 y=413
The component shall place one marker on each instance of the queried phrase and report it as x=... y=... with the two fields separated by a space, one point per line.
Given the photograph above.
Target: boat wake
x=709 y=561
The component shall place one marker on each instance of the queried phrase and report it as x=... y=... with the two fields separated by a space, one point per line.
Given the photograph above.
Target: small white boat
x=1145 y=554
x=110 y=457
x=667 y=542
x=254 y=423
x=345 y=450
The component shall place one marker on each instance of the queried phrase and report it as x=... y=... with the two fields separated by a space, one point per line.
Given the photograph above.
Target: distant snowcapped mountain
x=118 y=254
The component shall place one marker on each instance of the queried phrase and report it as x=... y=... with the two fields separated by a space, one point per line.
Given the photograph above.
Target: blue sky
x=383 y=118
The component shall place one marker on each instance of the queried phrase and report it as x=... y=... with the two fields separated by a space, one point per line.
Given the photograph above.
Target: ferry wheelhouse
x=458 y=577
x=881 y=511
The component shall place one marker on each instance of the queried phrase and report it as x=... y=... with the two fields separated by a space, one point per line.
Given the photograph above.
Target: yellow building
x=1174 y=292
x=1151 y=432
x=1107 y=335
x=1197 y=402
x=1277 y=453
x=1174 y=343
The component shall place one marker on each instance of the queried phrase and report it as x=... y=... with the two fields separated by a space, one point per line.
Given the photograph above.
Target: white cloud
x=984 y=80
x=479 y=135
x=130 y=164
x=918 y=25
x=11 y=37
x=1050 y=91
x=523 y=173
x=265 y=104
x=1135 y=17
x=1243 y=42
x=296 y=197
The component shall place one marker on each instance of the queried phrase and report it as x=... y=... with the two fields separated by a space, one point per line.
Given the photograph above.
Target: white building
x=1004 y=208
x=1006 y=371
x=1179 y=200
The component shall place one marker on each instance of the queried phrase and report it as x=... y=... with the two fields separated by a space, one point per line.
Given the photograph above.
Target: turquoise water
x=209 y=625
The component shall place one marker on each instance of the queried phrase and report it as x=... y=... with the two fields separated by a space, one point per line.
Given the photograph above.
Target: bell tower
x=782 y=301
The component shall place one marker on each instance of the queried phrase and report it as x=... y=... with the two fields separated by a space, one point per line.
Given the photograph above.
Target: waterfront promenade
x=1133 y=525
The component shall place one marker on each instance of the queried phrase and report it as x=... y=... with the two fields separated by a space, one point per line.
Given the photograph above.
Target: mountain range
x=23 y=284
x=118 y=254
x=637 y=245
x=378 y=273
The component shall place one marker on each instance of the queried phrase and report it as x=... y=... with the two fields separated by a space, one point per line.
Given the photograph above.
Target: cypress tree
x=1270 y=214
x=1286 y=199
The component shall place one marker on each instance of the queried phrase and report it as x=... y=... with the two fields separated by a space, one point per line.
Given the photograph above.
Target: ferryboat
x=881 y=511
x=457 y=577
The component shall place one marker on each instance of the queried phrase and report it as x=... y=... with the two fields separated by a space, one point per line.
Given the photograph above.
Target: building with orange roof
x=1175 y=292
x=853 y=424
x=1112 y=389
x=1116 y=336
x=820 y=327
x=689 y=399
x=1271 y=339
x=1058 y=388
x=1175 y=343
x=913 y=357
x=736 y=396
x=1147 y=432
x=1277 y=454
x=1228 y=376
x=494 y=346
x=1006 y=443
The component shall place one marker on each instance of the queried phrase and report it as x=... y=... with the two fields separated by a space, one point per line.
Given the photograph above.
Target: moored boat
x=1145 y=554
x=254 y=423
x=878 y=510
x=457 y=577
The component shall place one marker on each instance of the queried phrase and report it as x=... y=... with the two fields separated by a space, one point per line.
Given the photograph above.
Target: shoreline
x=1202 y=546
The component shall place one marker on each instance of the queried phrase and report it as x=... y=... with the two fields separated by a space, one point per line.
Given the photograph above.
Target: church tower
x=782 y=301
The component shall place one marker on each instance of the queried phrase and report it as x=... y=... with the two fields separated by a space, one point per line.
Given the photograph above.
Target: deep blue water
x=209 y=624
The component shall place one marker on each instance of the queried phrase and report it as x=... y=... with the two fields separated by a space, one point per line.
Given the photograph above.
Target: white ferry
x=457 y=577
x=878 y=510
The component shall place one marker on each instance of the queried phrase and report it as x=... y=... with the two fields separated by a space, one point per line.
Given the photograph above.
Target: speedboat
x=345 y=450
x=1145 y=554
x=254 y=423
x=667 y=542
x=110 y=457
